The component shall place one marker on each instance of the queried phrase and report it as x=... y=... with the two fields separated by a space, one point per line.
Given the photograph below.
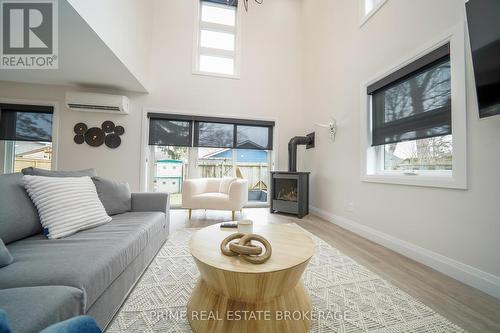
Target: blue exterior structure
x=243 y=155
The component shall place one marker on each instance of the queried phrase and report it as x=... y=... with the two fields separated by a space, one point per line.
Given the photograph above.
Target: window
x=368 y=8
x=216 y=51
x=214 y=147
x=415 y=120
x=25 y=137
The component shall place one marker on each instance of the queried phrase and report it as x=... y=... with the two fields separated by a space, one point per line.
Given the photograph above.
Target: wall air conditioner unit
x=90 y=102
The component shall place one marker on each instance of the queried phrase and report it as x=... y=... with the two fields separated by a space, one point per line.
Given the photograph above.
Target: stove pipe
x=307 y=140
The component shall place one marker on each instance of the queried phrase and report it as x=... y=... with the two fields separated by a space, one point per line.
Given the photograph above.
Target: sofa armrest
x=150 y=202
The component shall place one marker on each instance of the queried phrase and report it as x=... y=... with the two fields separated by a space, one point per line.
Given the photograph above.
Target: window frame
x=146 y=165
x=198 y=50
x=372 y=157
x=55 y=127
x=363 y=16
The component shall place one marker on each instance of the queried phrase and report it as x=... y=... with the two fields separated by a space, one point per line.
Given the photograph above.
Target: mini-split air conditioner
x=91 y=102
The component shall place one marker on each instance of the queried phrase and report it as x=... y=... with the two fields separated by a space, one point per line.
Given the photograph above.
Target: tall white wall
x=338 y=57
x=125 y=26
x=270 y=85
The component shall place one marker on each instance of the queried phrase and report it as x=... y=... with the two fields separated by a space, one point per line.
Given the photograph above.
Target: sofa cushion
x=89 y=260
x=225 y=183
x=31 y=309
x=66 y=205
x=18 y=216
x=52 y=173
x=5 y=257
x=114 y=195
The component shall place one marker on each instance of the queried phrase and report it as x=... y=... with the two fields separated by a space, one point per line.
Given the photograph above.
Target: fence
x=21 y=163
x=257 y=174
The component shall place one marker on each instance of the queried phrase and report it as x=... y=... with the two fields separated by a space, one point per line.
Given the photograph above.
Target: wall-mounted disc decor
x=80 y=128
x=112 y=141
x=119 y=130
x=96 y=136
x=108 y=126
x=79 y=139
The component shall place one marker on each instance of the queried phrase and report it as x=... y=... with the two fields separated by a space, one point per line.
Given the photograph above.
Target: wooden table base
x=209 y=311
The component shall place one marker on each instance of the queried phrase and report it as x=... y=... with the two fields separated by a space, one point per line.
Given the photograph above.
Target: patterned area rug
x=336 y=283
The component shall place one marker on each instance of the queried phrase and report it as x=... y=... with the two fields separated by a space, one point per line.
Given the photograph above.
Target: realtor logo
x=28 y=34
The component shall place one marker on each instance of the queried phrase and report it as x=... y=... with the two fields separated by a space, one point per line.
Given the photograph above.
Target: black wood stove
x=290 y=189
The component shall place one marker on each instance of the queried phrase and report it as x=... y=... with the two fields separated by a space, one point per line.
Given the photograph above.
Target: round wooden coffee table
x=235 y=296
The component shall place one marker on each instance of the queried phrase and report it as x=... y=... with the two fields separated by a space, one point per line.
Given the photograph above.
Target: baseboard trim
x=464 y=273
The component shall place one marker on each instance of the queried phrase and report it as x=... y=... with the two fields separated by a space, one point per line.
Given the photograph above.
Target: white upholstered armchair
x=215 y=193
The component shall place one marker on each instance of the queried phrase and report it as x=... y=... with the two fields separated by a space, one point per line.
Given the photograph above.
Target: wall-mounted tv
x=483 y=18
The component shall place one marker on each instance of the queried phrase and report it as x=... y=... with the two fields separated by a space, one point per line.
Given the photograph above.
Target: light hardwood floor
x=467 y=307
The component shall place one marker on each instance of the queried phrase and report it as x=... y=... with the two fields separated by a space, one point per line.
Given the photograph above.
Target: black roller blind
x=26 y=122
x=215 y=135
x=165 y=132
x=233 y=3
x=254 y=137
x=416 y=104
x=212 y=132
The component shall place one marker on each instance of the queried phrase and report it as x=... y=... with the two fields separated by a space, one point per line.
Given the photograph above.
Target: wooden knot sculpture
x=244 y=249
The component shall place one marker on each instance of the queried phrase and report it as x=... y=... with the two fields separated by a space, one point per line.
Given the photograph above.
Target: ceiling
x=84 y=60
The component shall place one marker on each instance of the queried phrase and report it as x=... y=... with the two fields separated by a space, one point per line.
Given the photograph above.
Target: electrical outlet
x=350 y=207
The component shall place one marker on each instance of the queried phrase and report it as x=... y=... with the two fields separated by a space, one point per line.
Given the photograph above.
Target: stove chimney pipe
x=307 y=140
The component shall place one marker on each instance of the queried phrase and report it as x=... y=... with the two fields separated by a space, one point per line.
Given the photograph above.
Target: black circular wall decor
x=94 y=137
x=113 y=141
x=108 y=134
x=108 y=126
x=119 y=130
x=79 y=139
x=80 y=128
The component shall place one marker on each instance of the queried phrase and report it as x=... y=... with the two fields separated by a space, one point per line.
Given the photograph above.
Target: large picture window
x=415 y=119
x=411 y=115
x=183 y=146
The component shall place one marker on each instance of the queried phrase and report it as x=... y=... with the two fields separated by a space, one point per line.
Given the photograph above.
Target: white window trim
x=55 y=124
x=457 y=178
x=236 y=55
x=364 y=17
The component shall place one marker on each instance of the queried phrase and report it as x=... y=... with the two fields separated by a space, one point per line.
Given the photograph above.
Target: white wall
x=270 y=85
x=125 y=27
x=338 y=57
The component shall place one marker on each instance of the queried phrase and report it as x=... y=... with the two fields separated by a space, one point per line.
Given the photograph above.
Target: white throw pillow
x=65 y=204
x=225 y=183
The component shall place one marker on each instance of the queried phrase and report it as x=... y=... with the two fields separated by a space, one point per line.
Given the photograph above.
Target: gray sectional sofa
x=90 y=272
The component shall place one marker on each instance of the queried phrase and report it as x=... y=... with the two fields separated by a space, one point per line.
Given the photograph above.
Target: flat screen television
x=483 y=18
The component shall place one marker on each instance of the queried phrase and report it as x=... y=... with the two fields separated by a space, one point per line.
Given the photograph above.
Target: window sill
x=416 y=180
x=366 y=17
x=223 y=76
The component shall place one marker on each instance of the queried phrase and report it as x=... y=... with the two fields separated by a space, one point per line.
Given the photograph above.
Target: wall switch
x=350 y=207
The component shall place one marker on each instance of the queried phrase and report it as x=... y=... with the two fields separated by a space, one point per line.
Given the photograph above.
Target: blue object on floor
x=4 y=325
x=80 y=324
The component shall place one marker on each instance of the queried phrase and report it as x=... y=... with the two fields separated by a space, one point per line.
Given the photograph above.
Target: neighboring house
x=242 y=155
x=169 y=176
x=32 y=154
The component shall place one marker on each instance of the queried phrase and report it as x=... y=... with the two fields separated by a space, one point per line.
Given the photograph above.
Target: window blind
x=213 y=132
x=26 y=122
x=414 y=102
x=233 y=3
x=164 y=132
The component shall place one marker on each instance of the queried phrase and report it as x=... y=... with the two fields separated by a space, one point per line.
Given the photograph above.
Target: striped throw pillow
x=65 y=204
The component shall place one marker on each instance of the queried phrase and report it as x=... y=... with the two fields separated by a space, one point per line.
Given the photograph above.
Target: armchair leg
x=233 y=215
x=190 y=211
